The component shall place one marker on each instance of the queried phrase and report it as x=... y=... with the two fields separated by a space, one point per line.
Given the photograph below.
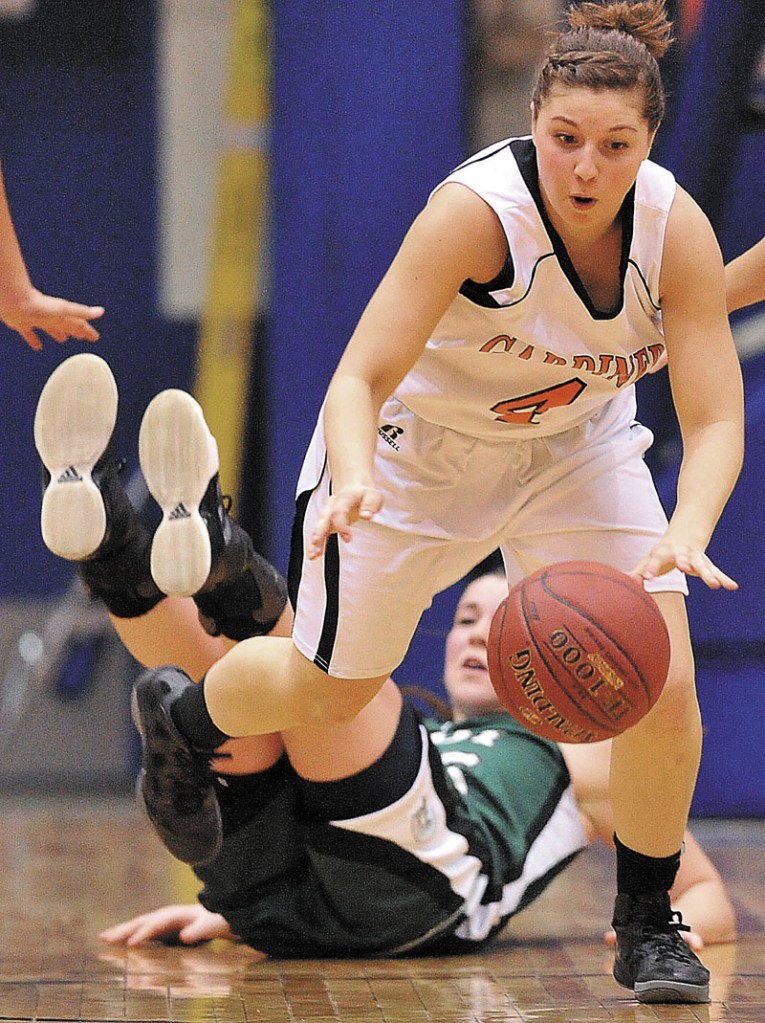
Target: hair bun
x=645 y=20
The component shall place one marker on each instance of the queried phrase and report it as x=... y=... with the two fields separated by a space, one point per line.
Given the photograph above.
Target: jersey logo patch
x=424 y=823
x=390 y=434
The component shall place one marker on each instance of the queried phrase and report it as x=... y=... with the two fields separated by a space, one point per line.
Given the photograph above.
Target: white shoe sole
x=74 y=421
x=653 y=992
x=179 y=457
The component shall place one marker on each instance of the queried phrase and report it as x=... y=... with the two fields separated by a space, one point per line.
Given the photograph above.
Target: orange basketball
x=578 y=652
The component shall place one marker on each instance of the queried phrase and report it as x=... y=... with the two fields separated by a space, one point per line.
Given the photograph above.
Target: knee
x=339 y=700
x=325 y=698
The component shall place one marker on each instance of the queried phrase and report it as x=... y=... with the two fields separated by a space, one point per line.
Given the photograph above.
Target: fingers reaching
x=189 y=924
x=57 y=317
x=689 y=559
x=340 y=512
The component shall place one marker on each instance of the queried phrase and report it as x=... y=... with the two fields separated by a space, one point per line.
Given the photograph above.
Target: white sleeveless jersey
x=528 y=354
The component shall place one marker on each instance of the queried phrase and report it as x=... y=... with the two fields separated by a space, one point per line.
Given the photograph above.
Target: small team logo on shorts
x=424 y=823
x=390 y=434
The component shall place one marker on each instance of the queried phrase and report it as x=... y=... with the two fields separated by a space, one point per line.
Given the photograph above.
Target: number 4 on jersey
x=527 y=408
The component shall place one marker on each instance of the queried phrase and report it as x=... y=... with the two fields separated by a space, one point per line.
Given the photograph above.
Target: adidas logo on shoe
x=179 y=512
x=69 y=475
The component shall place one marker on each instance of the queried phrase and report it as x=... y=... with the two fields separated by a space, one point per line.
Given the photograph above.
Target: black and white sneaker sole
x=179 y=457
x=657 y=991
x=193 y=837
x=74 y=421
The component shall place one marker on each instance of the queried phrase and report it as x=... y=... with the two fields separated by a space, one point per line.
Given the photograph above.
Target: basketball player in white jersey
x=486 y=400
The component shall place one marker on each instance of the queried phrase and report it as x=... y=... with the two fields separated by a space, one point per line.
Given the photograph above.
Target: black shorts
x=482 y=819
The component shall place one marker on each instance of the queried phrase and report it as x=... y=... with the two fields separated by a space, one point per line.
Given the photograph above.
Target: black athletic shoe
x=198 y=549
x=248 y=605
x=176 y=784
x=651 y=957
x=74 y=421
x=87 y=515
x=179 y=459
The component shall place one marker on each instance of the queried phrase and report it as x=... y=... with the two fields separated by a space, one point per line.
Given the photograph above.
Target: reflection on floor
x=68 y=868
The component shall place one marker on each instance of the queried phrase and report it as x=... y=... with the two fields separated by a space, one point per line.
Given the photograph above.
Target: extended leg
x=87 y=517
x=653 y=774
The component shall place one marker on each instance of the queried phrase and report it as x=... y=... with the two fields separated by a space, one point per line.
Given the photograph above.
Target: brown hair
x=611 y=46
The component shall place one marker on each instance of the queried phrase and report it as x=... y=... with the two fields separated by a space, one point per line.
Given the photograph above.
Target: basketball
x=578 y=652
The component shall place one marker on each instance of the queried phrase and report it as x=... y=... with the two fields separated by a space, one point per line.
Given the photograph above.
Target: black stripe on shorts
x=332 y=608
x=331 y=576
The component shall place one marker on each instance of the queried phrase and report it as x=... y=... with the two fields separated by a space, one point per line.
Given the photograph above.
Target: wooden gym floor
x=69 y=867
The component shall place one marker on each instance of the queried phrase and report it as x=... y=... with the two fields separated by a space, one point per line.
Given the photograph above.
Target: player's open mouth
x=583 y=201
x=474 y=665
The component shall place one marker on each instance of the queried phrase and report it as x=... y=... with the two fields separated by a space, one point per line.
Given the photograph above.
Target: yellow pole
x=231 y=303
x=228 y=317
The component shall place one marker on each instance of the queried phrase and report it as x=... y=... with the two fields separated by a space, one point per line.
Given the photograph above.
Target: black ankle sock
x=636 y=873
x=248 y=605
x=191 y=718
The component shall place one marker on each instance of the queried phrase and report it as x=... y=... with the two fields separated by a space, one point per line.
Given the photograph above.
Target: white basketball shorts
x=451 y=500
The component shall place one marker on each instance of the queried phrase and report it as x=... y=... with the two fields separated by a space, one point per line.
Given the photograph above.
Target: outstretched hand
x=58 y=317
x=339 y=513
x=188 y=924
x=668 y=554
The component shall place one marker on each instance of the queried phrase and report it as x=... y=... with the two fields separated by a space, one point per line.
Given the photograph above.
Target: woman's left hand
x=58 y=317
x=188 y=924
x=669 y=554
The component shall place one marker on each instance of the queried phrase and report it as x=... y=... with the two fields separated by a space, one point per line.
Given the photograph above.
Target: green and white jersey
x=524 y=823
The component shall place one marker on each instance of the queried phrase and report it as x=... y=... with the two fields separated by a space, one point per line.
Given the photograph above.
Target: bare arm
x=456 y=237
x=707 y=390
x=25 y=309
x=745 y=278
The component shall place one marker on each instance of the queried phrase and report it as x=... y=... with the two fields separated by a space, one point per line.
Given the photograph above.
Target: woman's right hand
x=188 y=924
x=339 y=513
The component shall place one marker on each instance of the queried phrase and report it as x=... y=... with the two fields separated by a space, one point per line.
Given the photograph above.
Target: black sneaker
x=249 y=605
x=87 y=515
x=74 y=421
x=195 y=543
x=176 y=784
x=651 y=957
